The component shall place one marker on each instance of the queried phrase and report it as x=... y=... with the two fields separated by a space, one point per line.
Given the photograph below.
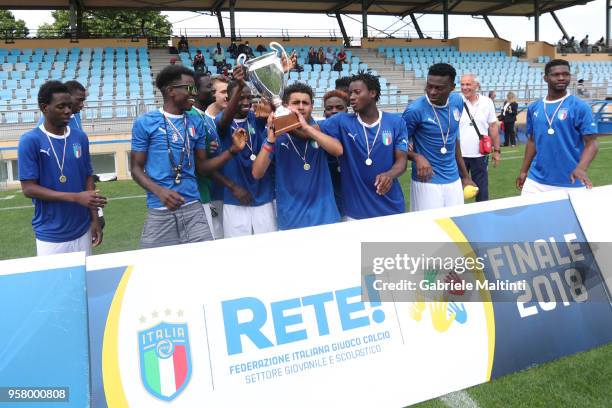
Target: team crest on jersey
x=165 y=359
x=192 y=131
x=562 y=115
x=387 y=137
x=456 y=114
x=314 y=144
x=76 y=148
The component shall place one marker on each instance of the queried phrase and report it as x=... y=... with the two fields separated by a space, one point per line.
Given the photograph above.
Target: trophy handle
x=241 y=59
x=277 y=47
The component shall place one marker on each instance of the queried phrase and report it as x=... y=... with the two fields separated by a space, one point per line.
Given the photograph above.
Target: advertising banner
x=278 y=319
x=44 y=358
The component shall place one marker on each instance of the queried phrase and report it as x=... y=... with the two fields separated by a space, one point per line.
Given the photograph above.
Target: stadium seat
x=28 y=116
x=11 y=117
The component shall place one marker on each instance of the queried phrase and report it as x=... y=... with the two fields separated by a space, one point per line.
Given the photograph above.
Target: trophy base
x=286 y=123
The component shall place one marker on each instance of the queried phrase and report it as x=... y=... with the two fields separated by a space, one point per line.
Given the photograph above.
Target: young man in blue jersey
x=561 y=133
x=438 y=171
x=211 y=186
x=253 y=212
x=168 y=148
x=375 y=145
x=304 y=192
x=336 y=101
x=55 y=171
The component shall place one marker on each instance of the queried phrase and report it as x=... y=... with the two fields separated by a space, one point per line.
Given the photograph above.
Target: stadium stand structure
x=118 y=80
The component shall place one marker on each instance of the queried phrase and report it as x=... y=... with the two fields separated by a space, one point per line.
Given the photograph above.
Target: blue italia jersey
x=149 y=136
x=216 y=189
x=557 y=155
x=239 y=169
x=304 y=198
x=205 y=184
x=424 y=132
x=56 y=221
x=356 y=178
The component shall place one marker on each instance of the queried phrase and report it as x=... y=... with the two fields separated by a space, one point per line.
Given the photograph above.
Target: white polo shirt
x=483 y=112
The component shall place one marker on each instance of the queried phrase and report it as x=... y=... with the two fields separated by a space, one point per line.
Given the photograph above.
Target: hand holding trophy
x=266 y=73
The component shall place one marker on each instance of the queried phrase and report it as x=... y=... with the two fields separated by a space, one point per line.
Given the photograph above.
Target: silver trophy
x=267 y=76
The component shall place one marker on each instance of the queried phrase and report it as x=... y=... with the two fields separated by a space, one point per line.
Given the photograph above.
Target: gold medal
x=63 y=179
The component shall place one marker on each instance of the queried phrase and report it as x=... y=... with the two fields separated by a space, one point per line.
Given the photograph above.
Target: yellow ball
x=470 y=192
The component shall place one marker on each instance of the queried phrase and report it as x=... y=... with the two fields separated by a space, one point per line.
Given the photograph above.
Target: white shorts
x=427 y=196
x=217 y=221
x=81 y=244
x=208 y=214
x=533 y=187
x=241 y=220
x=346 y=218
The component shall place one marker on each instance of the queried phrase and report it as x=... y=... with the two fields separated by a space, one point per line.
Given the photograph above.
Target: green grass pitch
x=582 y=380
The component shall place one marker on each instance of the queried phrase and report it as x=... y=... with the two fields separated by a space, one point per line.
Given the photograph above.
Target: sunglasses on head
x=188 y=87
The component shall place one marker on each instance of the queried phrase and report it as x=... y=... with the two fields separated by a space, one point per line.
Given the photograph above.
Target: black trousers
x=510 y=133
x=478 y=169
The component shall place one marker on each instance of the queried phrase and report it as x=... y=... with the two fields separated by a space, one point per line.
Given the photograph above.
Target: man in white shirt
x=483 y=112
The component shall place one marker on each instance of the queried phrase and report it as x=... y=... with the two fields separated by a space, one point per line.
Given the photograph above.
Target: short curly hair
x=297 y=87
x=371 y=82
x=337 y=94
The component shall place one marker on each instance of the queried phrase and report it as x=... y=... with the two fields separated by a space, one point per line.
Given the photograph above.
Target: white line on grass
x=458 y=399
x=520 y=157
x=110 y=199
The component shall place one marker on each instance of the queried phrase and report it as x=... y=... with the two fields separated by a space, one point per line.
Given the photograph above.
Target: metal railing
x=117 y=116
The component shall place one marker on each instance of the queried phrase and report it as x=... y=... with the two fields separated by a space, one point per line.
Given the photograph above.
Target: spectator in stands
x=252 y=213
x=600 y=45
x=492 y=96
x=562 y=44
x=330 y=57
x=375 y=145
x=219 y=58
x=59 y=179
x=571 y=45
x=335 y=101
x=478 y=119
x=312 y=56
x=172 y=60
x=183 y=45
x=341 y=57
x=342 y=84
x=337 y=66
x=227 y=71
x=233 y=50
x=508 y=119
x=581 y=90
x=261 y=48
x=438 y=170
x=304 y=192
x=584 y=44
x=199 y=63
x=561 y=137
x=320 y=56
x=246 y=49
x=168 y=148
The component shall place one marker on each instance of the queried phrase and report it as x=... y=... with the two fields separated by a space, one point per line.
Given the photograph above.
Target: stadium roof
x=374 y=7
